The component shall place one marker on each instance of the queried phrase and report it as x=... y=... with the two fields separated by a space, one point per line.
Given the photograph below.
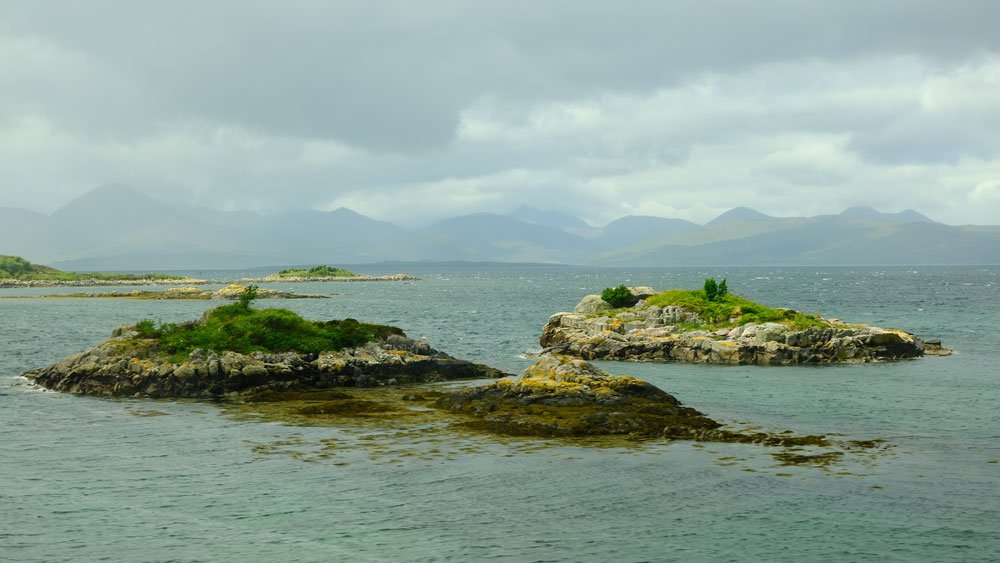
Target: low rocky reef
x=561 y=396
x=91 y=282
x=230 y=292
x=131 y=364
x=653 y=329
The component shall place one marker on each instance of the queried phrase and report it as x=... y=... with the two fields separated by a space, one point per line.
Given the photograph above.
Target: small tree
x=248 y=295
x=723 y=289
x=711 y=289
x=617 y=297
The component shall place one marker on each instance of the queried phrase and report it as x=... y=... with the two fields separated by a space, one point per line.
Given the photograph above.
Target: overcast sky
x=415 y=110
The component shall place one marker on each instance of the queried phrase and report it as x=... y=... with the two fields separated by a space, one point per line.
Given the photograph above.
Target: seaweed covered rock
x=562 y=396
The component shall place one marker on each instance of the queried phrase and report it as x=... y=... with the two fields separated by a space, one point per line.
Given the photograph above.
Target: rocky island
x=689 y=326
x=325 y=274
x=237 y=349
x=18 y=272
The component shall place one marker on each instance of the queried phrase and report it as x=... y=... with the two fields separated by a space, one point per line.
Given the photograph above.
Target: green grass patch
x=317 y=272
x=731 y=310
x=15 y=267
x=239 y=328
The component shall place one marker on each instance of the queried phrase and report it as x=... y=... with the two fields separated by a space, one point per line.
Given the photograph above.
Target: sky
x=414 y=111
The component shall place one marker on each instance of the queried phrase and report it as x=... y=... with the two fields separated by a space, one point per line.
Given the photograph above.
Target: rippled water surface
x=85 y=479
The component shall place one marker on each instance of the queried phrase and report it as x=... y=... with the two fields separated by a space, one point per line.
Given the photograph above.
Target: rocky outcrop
x=128 y=366
x=650 y=333
x=564 y=396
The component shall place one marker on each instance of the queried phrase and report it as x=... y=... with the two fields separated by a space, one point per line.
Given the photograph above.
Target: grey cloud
x=597 y=108
x=394 y=75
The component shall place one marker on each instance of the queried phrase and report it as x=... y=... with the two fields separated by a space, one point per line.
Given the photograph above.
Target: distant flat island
x=18 y=272
x=325 y=274
x=230 y=292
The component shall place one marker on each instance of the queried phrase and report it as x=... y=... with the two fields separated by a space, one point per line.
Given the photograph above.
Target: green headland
x=15 y=271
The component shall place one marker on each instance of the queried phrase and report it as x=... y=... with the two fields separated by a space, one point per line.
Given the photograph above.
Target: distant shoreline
x=93 y=282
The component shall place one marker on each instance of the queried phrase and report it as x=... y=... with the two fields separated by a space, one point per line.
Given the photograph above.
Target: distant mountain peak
x=739 y=214
x=864 y=212
x=109 y=196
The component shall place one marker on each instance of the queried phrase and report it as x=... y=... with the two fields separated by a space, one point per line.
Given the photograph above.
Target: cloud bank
x=414 y=111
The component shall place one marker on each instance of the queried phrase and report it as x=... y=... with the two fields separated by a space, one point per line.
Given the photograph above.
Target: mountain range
x=118 y=227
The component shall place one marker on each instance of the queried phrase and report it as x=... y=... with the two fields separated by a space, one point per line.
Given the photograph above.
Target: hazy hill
x=633 y=229
x=558 y=220
x=829 y=240
x=486 y=236
x=116 y=227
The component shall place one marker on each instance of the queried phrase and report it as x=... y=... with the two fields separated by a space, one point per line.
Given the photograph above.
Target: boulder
x=592 y=304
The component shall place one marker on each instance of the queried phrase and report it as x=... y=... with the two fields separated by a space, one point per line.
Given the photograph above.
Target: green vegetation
x=316 y=272
x=731 y=310
x=240 y=328
x=15 y=267
x=617 y=297
x=715 y=291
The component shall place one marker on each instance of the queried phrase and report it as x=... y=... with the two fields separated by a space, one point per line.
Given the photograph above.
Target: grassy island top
x=316 y=272
x=243 y=329
x=17 y=268
x=725 y=311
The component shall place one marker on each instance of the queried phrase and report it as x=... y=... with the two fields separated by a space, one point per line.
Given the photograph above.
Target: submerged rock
x=673 y=333
x=129 y=366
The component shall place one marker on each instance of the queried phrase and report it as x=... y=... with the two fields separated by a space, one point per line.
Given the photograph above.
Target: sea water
x=89 y=479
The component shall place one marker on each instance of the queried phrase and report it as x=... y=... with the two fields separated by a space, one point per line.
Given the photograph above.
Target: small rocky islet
x=325 y=273
x=558 y=396
x=683 y=325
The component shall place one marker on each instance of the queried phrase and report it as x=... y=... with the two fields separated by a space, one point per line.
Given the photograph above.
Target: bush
x=711 y=289
x=715 y=291
x=617 y=297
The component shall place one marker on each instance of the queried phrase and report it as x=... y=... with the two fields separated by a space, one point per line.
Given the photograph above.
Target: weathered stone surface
x=652 y=334
x=127 y=366
x=592 y=304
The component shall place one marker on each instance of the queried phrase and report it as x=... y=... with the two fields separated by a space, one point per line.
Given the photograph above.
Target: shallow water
x=85 y=479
